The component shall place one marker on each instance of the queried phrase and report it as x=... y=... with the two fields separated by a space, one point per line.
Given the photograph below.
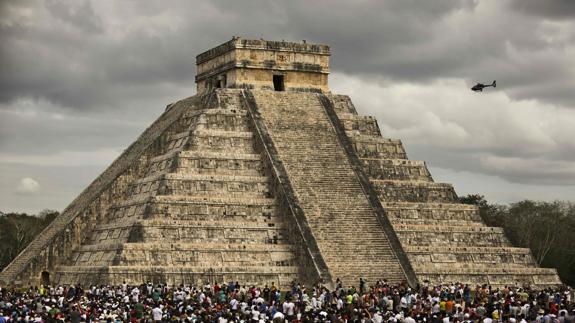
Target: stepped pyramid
x=265 y=176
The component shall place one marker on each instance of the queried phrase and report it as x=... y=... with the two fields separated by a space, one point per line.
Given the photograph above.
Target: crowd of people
x=233 y=302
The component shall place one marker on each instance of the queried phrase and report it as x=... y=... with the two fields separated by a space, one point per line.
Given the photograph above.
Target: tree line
x=17 y=230
x=547 y=228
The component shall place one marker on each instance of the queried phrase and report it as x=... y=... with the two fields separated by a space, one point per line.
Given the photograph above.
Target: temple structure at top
x=264 y=64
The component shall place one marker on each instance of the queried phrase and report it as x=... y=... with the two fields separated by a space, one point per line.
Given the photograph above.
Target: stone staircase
x=445 y=241
x=327 y=189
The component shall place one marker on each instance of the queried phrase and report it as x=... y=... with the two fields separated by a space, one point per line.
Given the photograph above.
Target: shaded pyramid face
x=195 y=207
x=201 y=211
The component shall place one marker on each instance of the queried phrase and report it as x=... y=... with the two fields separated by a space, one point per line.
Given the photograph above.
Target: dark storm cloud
x=552 y=9
x=67 y=54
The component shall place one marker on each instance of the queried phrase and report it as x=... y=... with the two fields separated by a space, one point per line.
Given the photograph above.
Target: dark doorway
x=279 y=83
x=221 y=82
x=45 y=278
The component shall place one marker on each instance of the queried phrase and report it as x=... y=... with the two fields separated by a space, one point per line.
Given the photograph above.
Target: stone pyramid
x=265 y=176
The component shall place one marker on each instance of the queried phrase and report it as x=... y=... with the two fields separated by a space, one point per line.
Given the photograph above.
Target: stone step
x=486 y=270
x=231 y=141
x=180 y=184
x=341 y=104
x=456 y=254
x=207 y=231
x=465 y=250
x=405 y=223
x=200 y=162
x=220 y=163
x=214 y=200
x=176 y=275
x=186 y=207
x=427 y=238
x=359 y=125
x=495 y=279
x=414 y=191
x=396 y=169
x=431 y=211
x=185 y=269
x=176 y=142
x=224 y=120
x=444 y=229
x=198 y=204
x=174 y=254
x=184 y=246
x=474 y=260
x=205 y=223
x=377 y=147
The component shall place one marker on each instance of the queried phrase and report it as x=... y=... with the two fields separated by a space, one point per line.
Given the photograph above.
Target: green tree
x=18 y=230
x=546 y=228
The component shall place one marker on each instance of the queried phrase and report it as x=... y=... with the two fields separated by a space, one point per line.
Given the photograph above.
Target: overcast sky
x=80 y=80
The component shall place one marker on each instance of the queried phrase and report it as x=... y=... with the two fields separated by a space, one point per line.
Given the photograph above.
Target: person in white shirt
x=234 y=304
x=255 y=314
x=157 y=314
x=409 y=319
x=289 y=309
x=278 y=316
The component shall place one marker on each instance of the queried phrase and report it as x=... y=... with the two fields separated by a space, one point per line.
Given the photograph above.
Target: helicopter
x=479 y=87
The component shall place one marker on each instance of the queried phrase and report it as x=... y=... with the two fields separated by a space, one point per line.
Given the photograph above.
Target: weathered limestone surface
x=250 y=63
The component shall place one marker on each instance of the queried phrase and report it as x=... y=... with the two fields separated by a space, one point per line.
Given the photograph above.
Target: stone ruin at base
x=265 y=176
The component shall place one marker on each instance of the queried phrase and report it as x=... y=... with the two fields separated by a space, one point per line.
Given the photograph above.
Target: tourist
x=231 y=303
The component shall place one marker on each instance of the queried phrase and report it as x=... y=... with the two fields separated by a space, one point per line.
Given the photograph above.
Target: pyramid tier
x=491 y=238
x=396 y=169
x=176 y=275
x=431 y=211
x=182 y=253
x=224 y=120
x=216 y=140
x=200 y=185
x=361 y=125
x=206 y=162
x=195 y=207
x=414 y=191
x=221 y=163
x=378 y=147
x=471 y=255
x=215 y=207
x=403 y=224
x=158 y=230
x=496 y=276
